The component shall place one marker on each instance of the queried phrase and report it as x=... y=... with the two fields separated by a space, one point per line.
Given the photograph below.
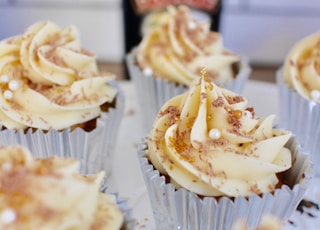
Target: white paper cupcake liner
x=153 y=92
x=301 y=117
x=182 y=209
x=93 y=149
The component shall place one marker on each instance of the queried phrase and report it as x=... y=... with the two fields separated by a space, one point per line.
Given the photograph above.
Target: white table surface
x=127 y=179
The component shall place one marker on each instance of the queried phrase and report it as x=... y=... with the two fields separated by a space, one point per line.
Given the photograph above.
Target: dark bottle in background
x=133 y=19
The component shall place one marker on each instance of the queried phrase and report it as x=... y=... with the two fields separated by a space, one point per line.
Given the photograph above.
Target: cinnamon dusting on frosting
x=218 y=102
x=179 y=43
x=48 y=80
x=49 y=193
x=301 y=68
x=209 y=138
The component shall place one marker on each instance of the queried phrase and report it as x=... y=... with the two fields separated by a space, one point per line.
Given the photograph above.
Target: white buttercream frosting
x=268 y=222
x=302 y=67
x=50 y=194
x=48 y=81
x=177 y=44
x=210 y=142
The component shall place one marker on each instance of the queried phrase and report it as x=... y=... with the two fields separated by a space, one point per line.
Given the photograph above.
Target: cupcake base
x=93 y=149
x=181 y=209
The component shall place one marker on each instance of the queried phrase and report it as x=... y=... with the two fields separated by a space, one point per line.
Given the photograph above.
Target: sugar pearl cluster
x=8 y=86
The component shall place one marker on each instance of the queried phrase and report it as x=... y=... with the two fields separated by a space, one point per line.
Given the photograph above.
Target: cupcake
x=267 y=223
x=49 y=193
x=209 y=161
x=174 y=47
x=299 y=94
x=53 y=98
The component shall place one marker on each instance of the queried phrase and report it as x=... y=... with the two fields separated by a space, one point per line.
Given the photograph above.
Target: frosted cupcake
x=50 y=193
x=53 y=98
x=175 y=46
x=299 y=94
x=267 y=223
x=209 y=161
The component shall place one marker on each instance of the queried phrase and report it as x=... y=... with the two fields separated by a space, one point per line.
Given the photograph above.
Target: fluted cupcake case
x=153 y=92
x=122 y=203
x=93 y=149
x=301 y=116
x=182 y=209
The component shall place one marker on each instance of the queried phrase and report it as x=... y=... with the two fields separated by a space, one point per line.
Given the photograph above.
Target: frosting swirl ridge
x=209 y=142
x=47 y=80
x=302 y=67
x=179 y=43
x=50 y=193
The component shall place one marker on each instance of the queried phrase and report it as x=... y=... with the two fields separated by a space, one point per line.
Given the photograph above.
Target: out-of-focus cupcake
x=299 y=94
x=54 y=99
x=209 y=161
x=174 y=47
x=49 y=193
x=268 y=222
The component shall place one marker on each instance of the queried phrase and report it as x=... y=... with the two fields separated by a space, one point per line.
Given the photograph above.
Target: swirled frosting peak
x=50 y=194
x=47 y=80
x=178 y=44
x=208 y=141
x=302 y=67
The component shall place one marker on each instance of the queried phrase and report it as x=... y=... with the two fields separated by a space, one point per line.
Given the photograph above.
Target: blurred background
x=263 y=31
